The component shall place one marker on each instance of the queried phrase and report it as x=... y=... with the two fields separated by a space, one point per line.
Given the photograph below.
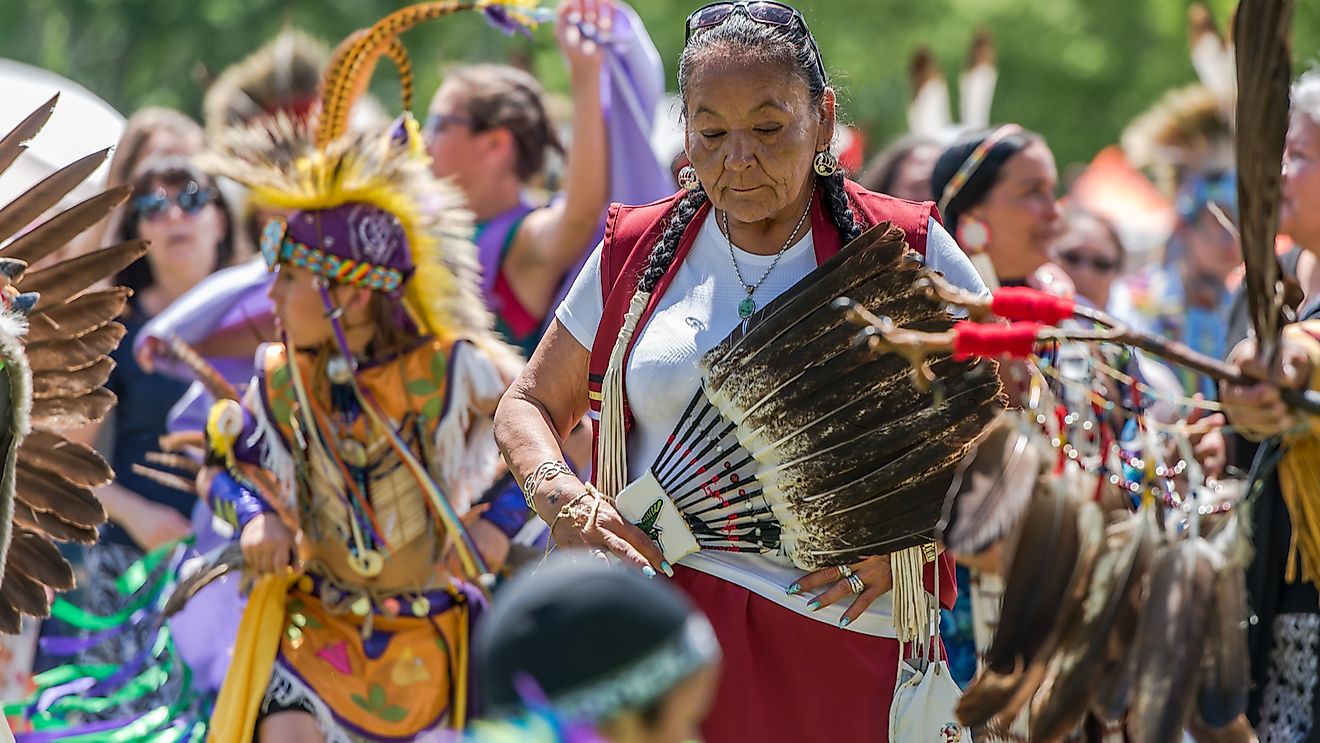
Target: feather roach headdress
x=365 y=211
x=284 y=75
x=55 y=337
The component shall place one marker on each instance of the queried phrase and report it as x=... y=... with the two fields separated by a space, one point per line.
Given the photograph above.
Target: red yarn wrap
x=972 y=339
x=1022 y=303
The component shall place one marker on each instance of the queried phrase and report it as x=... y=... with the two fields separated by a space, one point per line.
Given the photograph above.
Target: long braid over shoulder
x=663 y=253
x=840 y=209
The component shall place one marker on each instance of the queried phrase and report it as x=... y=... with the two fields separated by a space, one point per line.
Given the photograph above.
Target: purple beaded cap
x=358 y=244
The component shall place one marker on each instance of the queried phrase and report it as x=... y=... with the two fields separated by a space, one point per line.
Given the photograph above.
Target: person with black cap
x=579 y=641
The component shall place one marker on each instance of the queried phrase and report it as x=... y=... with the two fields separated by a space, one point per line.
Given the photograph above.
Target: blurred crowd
x=1145 y=232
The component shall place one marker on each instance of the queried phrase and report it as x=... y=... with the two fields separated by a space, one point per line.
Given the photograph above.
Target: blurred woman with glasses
x=1090 y=251
x=180 y=212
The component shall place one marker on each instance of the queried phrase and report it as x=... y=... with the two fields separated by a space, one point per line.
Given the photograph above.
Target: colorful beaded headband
x=974 y=161
x=277 y=248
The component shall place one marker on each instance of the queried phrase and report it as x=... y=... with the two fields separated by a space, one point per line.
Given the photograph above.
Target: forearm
x=587 y=170
x=529 y=437
x=122 y=505
x=235 y=502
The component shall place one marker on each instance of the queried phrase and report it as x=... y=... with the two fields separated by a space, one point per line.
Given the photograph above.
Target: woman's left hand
x=583 y=26
x=876 y=581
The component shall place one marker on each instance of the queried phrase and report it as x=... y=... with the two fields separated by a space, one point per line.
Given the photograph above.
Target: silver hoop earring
x=825 y=164
x=687 y=179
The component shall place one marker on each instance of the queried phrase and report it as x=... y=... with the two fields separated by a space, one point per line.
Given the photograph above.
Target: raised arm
x=553 y=239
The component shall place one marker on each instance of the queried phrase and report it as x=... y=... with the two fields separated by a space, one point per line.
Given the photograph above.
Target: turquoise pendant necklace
x=747 y=307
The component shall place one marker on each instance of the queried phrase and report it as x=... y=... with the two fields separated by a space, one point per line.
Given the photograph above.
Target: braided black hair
x=840 y=209
x=791 y=47
x=663 y=253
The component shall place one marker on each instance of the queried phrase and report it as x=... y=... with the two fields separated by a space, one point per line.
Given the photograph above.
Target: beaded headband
x=277 y=247
x=973 y=162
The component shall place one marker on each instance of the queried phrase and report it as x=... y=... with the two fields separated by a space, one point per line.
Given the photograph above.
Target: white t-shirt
x=698 y=310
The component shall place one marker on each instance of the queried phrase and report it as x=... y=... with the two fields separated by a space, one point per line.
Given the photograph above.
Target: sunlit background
x=1076 y=70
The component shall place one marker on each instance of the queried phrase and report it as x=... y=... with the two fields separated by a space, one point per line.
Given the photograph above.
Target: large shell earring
x=825 y=164
x=687 y=179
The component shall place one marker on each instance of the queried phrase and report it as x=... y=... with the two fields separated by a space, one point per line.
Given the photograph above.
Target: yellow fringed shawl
x=235 y=716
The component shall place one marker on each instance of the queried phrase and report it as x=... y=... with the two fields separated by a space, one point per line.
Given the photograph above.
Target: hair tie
x=973 y=162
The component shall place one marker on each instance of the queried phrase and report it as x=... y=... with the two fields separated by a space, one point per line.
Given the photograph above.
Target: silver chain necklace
x=748 y=305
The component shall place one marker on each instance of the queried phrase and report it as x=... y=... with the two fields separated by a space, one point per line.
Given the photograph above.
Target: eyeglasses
x=192 y=198
x=765 y=12
x=436 y=123
x=1097 y=264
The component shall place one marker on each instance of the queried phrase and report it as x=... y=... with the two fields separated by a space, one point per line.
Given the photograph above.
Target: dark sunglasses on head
x=192 y=198
x=1100 y=265
x=765 y=12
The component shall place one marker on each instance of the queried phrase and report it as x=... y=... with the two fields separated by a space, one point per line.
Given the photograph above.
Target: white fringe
x=270 y=442
x=465 y=447
x=911 y=607
x=286 y=690
x=612 y=447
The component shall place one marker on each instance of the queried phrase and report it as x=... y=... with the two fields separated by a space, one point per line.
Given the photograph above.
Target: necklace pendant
x=746 y=308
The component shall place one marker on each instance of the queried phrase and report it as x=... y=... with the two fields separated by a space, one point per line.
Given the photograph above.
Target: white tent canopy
x=81 y=125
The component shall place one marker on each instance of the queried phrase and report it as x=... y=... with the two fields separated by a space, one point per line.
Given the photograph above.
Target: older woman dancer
x=762 y=205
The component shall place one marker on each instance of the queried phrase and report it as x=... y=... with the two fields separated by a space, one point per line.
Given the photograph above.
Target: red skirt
x=788 y=678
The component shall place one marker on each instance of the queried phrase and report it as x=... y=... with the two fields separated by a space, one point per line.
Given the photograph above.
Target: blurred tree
x=1075 y=70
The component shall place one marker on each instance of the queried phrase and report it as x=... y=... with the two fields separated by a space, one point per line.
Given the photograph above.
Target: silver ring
x=844 y=572
x=855 y=583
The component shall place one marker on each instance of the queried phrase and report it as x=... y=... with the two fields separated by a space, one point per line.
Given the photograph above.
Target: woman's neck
x=493 y=197
x=772 y=235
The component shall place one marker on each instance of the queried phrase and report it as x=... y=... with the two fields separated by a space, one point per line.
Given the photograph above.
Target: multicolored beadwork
x=277 y=248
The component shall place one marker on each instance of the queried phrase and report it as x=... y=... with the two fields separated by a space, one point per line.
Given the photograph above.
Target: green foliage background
x=1076 y=70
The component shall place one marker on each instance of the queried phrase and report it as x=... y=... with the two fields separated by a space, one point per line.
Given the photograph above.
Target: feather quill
x=74 y=462
x=54 y=233
x=79 y=316
x=1172 y=635
x=34 y=202
x=1264 y=72
x=38 y=559
x=63 y=280
x=16 y=141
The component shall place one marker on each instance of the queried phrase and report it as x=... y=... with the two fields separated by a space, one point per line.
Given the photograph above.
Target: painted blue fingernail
x=844 y=622
x=648 y=571
x=795 y=589
x=667 y=568
x=814 y=605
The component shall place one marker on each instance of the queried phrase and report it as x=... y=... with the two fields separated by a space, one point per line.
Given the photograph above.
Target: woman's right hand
x=1257 y=410
x=584 y=520
x=267 y=544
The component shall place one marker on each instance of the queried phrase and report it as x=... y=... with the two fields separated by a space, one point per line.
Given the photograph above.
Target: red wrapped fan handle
x=1022 y=303
x=972 y=339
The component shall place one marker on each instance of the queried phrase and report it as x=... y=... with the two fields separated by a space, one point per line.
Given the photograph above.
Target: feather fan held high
x=55 y=336
x=803 y=441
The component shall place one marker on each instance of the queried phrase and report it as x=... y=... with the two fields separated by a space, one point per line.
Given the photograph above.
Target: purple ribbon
x=67 y=646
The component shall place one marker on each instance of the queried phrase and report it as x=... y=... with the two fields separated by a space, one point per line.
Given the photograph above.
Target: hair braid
x=836 y=199
x=663 y=253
